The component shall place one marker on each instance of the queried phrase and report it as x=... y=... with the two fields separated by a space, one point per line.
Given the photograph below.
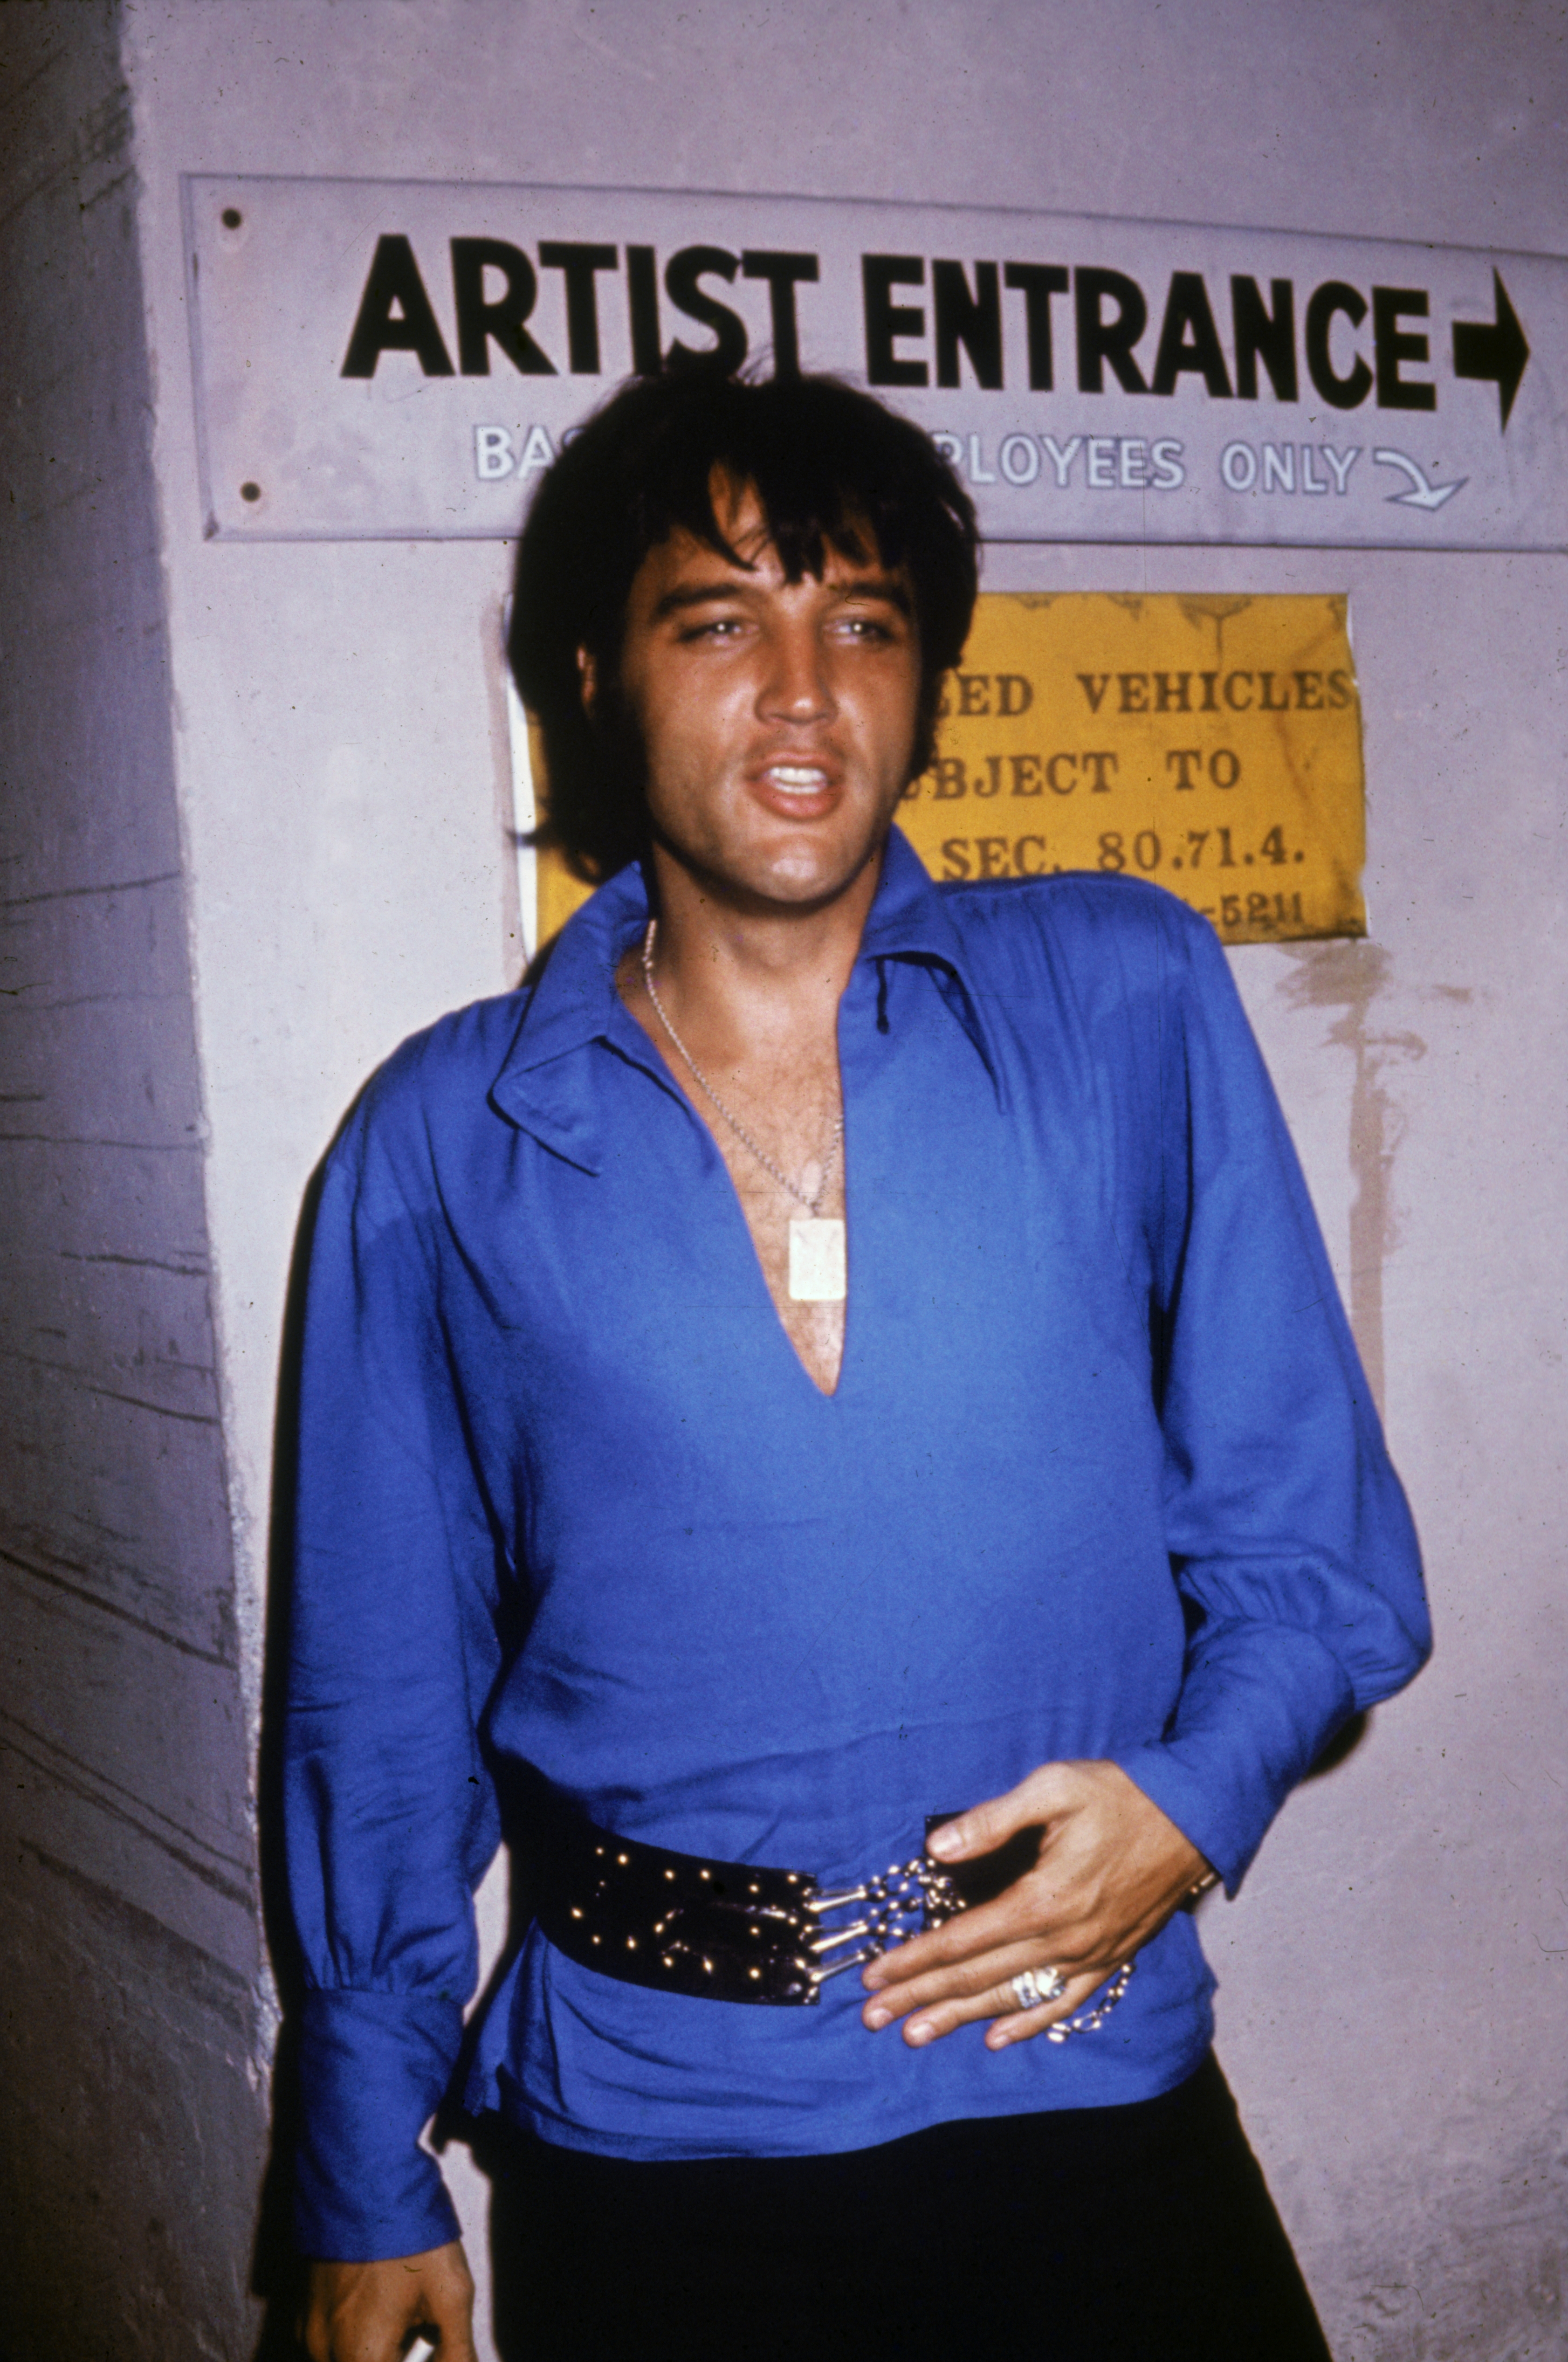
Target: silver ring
x=1033 y=1988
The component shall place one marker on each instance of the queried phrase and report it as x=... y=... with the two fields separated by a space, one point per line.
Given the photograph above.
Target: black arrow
x=1495 y=349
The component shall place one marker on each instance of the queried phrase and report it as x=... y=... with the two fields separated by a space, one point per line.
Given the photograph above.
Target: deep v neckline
x=663 y=1069
x=738 y=1208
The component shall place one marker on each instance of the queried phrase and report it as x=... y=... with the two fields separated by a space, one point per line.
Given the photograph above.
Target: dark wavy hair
x=829 y=465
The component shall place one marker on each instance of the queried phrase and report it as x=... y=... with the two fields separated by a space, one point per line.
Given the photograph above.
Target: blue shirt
x=1100 y=1478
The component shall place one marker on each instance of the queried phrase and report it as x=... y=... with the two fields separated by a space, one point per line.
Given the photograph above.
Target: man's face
x=776 y=719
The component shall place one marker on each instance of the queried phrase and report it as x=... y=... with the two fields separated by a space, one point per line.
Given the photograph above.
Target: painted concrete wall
x=1393 y=2006
x=131 y=2128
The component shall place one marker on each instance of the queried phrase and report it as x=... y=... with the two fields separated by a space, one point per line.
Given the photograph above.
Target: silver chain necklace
x=813 y=1206
x=817 y=1258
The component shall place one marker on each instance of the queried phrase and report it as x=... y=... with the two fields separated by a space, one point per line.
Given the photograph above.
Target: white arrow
x=1421 y=495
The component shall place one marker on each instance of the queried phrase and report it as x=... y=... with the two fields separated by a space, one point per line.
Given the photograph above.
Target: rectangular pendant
x=817 y=1267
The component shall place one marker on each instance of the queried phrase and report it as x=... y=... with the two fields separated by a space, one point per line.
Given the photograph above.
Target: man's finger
x=454 y=2344
x=999 y=2004
x=966 y=1938
x=366 y=2312
x=1023 y=2024
x=989 y=1972
x=453 y=2334
x=958 y=1980
x=450 y=2307
x=1031 y=1910
x=988 y=1825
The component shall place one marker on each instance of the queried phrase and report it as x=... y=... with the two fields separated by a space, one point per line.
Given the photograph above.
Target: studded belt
x=735 y=1931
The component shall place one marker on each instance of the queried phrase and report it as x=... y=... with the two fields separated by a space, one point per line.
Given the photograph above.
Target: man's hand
x=1111 y=1868
x=369 y=2312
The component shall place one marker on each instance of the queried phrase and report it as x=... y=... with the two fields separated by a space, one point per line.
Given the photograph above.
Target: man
x=832 y=1353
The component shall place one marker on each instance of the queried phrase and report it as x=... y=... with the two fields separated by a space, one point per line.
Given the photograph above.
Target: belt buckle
x=904 y=1900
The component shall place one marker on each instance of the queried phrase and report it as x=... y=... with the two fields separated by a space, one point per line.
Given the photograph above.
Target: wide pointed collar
x=910 y=919
x=549 y=1088
x=544 y=1083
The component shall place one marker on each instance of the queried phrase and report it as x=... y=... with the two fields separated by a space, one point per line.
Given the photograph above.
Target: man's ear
x=586 y=681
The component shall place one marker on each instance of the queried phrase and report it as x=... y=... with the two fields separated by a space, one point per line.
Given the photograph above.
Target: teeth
x=790 y=774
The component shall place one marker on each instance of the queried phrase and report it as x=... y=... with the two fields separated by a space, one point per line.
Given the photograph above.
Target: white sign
x=400 y=358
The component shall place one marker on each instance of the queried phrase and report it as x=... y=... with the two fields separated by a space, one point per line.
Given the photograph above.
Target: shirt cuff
x=1257 y=1709
x=374 y=2068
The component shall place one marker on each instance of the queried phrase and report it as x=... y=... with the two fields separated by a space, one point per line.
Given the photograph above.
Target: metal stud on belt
x=742 y=1932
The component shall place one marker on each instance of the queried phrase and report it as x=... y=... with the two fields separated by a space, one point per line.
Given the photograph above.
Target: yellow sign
x=1209 y=744
x=1212 y=744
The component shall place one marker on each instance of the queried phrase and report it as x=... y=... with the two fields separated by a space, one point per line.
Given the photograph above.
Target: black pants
x=1140 y=2234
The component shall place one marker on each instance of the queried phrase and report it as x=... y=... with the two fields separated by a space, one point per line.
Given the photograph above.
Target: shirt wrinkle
x=1091 y=1324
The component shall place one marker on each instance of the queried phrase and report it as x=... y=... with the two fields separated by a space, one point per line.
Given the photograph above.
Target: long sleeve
x=389 y=1810
x=1289 y=1535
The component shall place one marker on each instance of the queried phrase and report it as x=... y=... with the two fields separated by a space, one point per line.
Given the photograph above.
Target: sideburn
x=620 y=762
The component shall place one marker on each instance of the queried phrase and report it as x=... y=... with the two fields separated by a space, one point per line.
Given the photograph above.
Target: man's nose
x=796 y=685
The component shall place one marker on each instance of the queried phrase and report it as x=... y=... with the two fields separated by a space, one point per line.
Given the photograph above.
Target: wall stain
x=182 y=1967
x=1203 y=610
x=90 y=893
x=1347 y=978
x=90 y=1787
x=106 y=1606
